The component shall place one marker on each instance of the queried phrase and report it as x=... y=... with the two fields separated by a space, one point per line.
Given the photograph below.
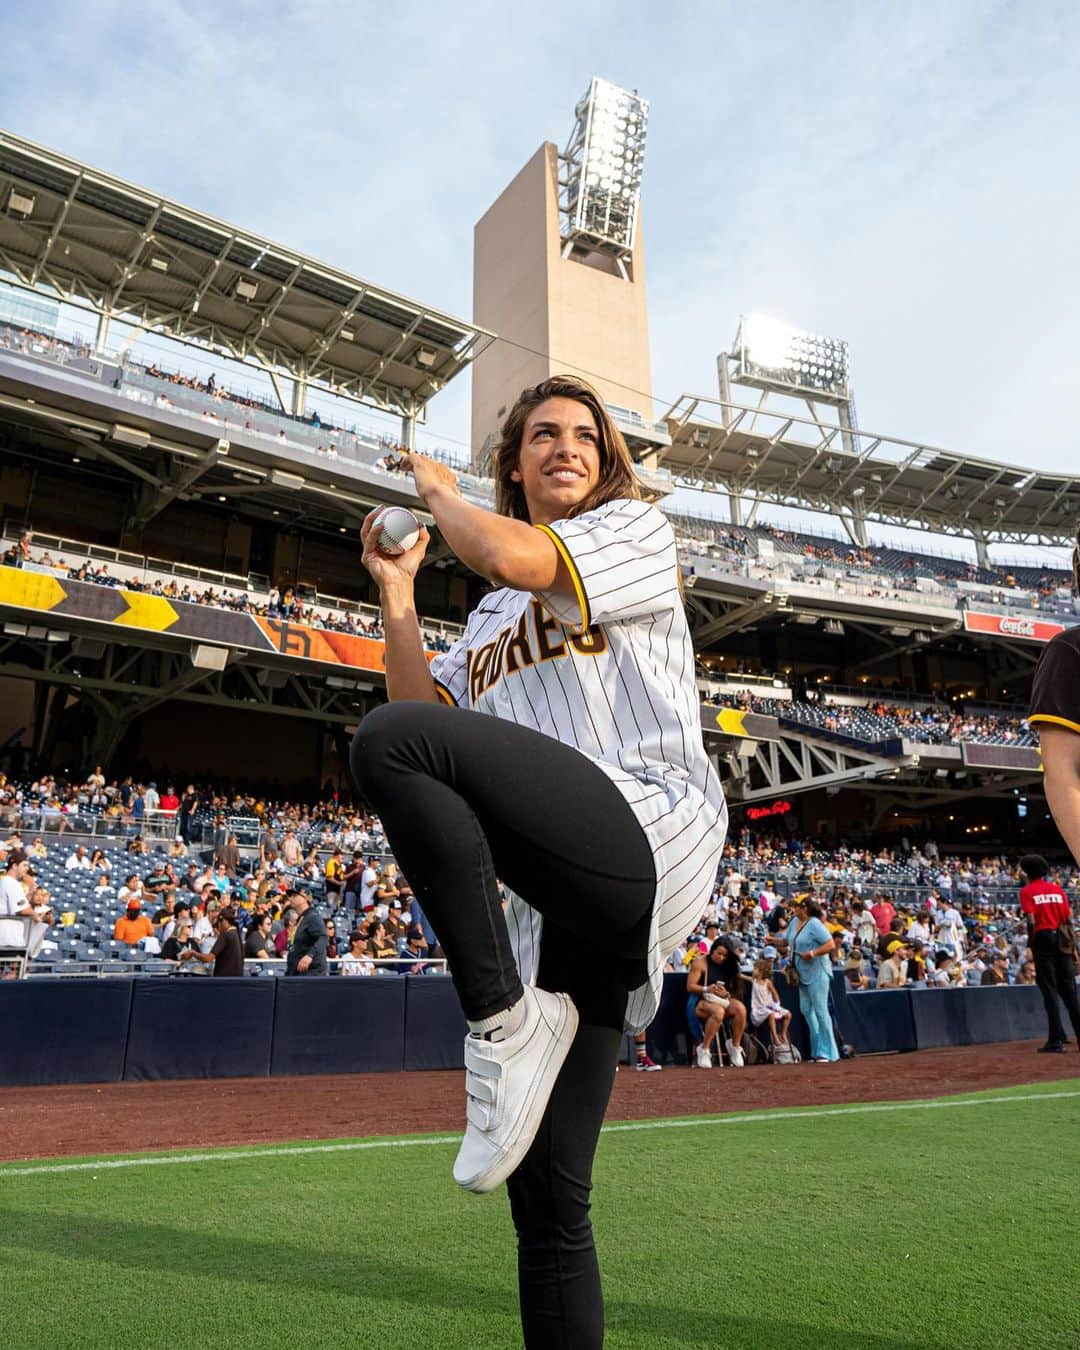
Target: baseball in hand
x=397 y=530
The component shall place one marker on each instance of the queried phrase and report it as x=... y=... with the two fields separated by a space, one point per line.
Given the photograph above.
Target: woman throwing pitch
x=556 y=746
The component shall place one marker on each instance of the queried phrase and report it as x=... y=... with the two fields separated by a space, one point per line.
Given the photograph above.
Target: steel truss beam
x=795 y=764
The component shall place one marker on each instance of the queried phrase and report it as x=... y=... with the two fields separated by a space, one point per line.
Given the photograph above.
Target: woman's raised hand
x=387 y=569
x=429 y=474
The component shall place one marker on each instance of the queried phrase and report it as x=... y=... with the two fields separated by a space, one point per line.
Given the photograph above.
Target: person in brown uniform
x=1055 y=712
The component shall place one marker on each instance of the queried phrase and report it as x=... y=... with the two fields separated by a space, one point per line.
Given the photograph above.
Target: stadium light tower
x=772 y=355
x=559 y=274
x=777 y=358
x=600 y=177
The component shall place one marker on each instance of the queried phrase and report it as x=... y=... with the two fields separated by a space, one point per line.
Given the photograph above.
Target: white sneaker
x=704 y=1057
x=736 y=1055
x=507 y=1087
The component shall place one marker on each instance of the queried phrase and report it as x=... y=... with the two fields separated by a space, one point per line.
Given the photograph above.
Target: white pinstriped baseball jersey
x=609 y=670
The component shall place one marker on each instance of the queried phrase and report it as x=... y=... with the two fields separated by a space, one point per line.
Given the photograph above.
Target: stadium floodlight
x=600 y=183
x=770 y=352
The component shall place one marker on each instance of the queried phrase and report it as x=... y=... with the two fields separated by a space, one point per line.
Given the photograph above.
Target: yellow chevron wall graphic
x=146 y=611
x=32 y=590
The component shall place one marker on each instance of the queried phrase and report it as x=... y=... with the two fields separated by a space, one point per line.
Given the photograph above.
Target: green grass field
x=946 y=1225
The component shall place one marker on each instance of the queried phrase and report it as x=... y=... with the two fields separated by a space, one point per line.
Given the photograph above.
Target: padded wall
x=200 y=1027
x=57 y=1031
x=434 y=1023
x=977 y=1016
x=339 y=1025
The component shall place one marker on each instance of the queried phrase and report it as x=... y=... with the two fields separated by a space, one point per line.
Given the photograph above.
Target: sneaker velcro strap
x=478 y=1062
x=480 y=1105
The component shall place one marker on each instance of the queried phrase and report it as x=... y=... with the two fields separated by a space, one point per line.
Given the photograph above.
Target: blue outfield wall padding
x=977 y=1016
x=434 y=1023
x=332 y=1024
x=876 y=1021
x=63 y=1031
x=200 y=1027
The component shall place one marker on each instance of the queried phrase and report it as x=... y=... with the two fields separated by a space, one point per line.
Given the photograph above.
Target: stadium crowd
x=282 y=603
x=950 y=913
x=878 y=720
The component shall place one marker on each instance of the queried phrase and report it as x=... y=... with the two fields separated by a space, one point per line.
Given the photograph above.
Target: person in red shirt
x=883 y=912
x=169 y=800
x=1053 y=945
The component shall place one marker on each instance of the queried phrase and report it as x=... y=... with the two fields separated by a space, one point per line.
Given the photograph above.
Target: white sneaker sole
x=511 y=1155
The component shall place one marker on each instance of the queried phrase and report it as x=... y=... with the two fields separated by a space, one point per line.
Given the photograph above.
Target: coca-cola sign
x=1022 y=626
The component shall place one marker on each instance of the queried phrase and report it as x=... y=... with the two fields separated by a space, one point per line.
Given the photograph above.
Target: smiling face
x=559 y=459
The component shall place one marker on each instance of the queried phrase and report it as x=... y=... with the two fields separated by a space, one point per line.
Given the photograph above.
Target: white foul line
x=426 y=1141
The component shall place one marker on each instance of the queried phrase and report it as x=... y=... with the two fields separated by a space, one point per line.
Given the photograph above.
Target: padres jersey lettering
x=610 y=671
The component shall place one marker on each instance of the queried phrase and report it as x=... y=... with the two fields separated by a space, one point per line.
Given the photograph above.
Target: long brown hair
x=617 y=476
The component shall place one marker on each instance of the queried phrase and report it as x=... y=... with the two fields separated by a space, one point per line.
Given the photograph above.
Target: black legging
x=1055 y=974
x=465 y=798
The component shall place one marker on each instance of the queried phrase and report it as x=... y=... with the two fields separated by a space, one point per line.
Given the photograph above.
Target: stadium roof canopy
x=72 y=231
x=768 y=455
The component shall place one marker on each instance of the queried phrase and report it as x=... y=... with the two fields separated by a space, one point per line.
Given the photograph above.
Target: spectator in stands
x=226 y=955
x=331 y=940
x=79 y=861
x=414 y=953
x=883 y=912
x=204 y=916
x=131 y=889
x=17 y=901
x=948 y=970
x=133 y=925
x=179 y=941
x=1026 y=974
x=169 y=801
x=99 y=861
x=259 y=944
x=855 y=979
x=37 y=849
x=283 y=937
x=356 y=960
x=307 y=950
x=380 y=947
x=808 y=944
x=291 y=849
x=351 y=882
x=369 y=883
x=997 y=972
x=185 y=820
x=160 y=879
x=228 y=859
x=334 y=876
x=892 y=973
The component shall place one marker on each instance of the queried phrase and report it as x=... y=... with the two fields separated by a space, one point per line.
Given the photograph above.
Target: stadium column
x=101 y=336
x=299 y=396
x=982 y=551
x=408 y=431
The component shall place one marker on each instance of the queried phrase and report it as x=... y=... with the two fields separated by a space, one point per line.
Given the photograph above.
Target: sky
x=902 y=175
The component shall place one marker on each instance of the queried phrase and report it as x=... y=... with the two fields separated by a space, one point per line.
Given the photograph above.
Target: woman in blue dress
x=808 y=944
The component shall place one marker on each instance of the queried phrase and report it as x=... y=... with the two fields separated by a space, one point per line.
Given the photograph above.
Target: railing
x=242 y=587
x=906 y=894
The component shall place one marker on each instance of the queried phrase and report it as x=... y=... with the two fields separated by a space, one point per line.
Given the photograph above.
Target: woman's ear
x=515 y=475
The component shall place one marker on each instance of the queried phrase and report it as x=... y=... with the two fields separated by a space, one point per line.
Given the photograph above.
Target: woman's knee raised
x=377 y=735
